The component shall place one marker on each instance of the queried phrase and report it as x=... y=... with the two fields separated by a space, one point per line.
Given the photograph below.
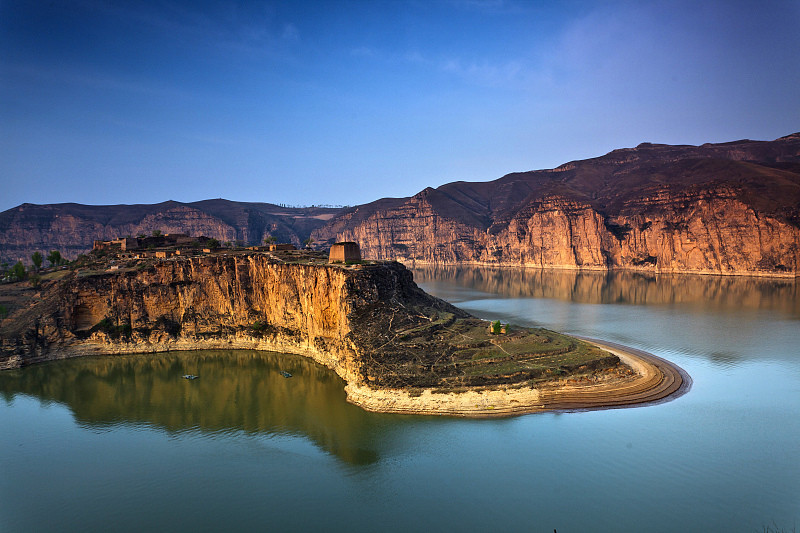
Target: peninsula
x=397 y=348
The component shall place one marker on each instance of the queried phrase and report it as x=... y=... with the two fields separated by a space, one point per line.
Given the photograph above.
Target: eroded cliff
x=732 y=208
x=219 y=301
x=397 y=348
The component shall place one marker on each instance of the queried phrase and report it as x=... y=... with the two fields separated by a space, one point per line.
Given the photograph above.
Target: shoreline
x=656 y=381
x=411 y=264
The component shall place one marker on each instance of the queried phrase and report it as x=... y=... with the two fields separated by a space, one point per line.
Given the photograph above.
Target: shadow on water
x=722 y=292
x=236 y=391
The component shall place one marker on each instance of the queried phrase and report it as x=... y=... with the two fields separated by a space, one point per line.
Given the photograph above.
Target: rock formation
x=731 y=208
x=398 y=349
x=219 y=301
x=72 y=228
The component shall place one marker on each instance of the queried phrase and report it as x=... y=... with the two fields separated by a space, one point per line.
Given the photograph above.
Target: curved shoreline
x=656 y=381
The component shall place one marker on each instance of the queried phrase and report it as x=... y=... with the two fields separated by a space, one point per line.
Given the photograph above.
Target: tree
x=18 y=271
x=213 y=244
x=270 y=240
x=37 y=260
x=156 y=233
x=307 y=243
x=55 y=258
x=35 y=280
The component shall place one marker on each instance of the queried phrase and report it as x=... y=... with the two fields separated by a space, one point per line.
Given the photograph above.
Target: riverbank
x=651 y=380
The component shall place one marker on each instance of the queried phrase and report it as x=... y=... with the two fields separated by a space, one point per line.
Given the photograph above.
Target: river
x=124 y=444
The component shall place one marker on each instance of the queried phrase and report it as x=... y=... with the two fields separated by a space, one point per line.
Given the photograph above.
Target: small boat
x=189 y=376
x=285 y=374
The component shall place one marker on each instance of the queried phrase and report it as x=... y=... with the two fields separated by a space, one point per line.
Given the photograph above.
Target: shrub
x=18 y=271
x=54 y=257
x=37 y=260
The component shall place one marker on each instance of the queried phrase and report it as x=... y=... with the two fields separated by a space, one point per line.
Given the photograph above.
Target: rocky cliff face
x=237 y=301
x=724 y=209
x=72 y=228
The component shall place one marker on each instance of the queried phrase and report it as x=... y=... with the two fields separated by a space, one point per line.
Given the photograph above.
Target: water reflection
x=724 y=292
x=236 y=391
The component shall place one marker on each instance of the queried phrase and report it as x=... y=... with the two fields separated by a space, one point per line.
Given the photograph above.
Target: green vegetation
x=308 y=242
x=270 y=240
x=156 y=233
x=213 y=244
x=3 y=311
x=54 y=257
x=37 y=260
x=496 y=327
x=18 y=271
x=35 y=280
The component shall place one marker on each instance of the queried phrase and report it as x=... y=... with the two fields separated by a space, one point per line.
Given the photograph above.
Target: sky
x=342 y=103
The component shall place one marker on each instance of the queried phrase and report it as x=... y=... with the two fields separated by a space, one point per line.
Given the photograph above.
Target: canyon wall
x=710 y=232
x=708 y=209
x=222 y=301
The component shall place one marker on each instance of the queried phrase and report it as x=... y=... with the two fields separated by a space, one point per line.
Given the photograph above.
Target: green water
x=126 y=444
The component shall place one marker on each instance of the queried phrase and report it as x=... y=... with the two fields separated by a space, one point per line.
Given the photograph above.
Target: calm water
x=125 y=444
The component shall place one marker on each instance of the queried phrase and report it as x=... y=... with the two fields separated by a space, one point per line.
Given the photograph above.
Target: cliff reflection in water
x=735 y=292
x=236 y=391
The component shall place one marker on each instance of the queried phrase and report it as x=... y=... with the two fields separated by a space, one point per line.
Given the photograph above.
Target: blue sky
x=105 y=102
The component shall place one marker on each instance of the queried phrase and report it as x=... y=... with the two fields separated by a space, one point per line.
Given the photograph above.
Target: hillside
x=72 y=228
x=730 y=208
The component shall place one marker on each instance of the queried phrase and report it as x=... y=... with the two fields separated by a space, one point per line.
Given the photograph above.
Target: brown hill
x=717 y=208
x=71 y=228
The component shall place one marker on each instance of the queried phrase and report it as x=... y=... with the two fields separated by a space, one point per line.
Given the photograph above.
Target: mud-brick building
x=342 y=252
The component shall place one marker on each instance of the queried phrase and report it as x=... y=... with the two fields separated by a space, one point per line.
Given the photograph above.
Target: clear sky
x=105 y=102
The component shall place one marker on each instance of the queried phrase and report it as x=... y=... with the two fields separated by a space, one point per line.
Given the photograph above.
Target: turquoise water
x=125 y=444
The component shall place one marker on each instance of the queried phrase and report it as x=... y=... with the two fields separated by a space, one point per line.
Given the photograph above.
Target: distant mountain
x=72 y=228
x=717 y=208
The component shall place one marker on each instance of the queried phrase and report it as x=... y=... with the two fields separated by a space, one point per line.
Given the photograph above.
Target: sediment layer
x=727 y=208
x=398 y=348
x=653 y=380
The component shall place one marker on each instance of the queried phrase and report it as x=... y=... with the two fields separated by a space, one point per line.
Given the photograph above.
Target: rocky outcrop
x=222 y=301
x=732 y=208
x=72 y=228
x=397 y=348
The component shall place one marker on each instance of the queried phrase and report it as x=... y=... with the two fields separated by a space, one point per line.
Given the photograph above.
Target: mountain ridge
x=723 y=208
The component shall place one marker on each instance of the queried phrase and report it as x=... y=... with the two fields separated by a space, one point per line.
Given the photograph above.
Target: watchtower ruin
x=342 y=252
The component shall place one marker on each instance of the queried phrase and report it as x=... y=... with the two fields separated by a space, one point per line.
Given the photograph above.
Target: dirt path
x=655 y=380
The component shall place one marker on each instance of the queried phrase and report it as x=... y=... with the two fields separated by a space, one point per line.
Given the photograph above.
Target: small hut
x=342 y=252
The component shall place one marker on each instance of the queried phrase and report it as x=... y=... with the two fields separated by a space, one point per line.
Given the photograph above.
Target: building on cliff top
x=342 y=252
x=125 y=244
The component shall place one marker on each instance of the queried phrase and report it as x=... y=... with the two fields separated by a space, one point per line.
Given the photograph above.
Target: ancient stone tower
x=341 y=252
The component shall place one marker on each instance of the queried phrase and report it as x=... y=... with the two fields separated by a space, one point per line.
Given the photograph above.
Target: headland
x=397 y=348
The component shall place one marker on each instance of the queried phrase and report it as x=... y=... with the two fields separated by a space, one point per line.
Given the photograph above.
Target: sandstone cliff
x=731 y=208
x=328 y=312
x=398 y=349
x=72 y=228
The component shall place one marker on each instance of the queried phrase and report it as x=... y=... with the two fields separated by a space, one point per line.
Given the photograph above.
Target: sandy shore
x=653 y=380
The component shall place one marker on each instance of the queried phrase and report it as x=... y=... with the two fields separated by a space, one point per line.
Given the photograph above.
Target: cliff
x=72 y=228
x=219 y=301
x=397 y=348
x=731 y=208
